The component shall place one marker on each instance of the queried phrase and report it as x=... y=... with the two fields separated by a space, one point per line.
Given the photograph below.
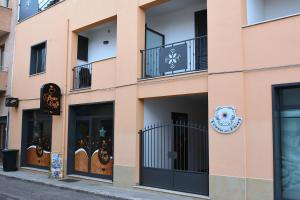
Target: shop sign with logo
x=225 y=120
x=173 y=58
x=50 y=99
x=11 y=102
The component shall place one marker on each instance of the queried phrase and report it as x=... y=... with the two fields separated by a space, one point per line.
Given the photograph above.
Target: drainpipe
x=65 y=124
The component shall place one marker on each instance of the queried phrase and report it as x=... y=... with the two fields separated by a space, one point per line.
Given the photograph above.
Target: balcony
x=176 y=58
x=31 y=8
x=3 y=81
x=4 y=3
x=5 y=17
x=176 y=39
x=82 y=76
x=96 y=51
x=97 y=75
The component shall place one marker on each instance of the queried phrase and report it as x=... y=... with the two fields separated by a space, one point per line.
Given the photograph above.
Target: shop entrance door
x=2 y=134
x=287 y=142
x=93 y=143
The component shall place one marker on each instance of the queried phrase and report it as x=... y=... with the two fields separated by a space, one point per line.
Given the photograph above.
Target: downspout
x=65 y=101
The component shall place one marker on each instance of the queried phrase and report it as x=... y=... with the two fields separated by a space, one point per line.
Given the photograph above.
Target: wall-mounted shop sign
x=226 y=120
x=50 y=99
x=173 y=58
x=11 y=102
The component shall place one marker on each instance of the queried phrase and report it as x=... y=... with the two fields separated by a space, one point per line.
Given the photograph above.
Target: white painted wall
x=159 y=110
x=178 y=24
x=281 y=8
x=98 y=50
x=262 y=10
x=156 y=154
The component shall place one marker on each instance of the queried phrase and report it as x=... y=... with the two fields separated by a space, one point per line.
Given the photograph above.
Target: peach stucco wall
x=272 y=44
x=235 y=52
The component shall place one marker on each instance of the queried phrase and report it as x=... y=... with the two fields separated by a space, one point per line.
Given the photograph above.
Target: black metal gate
x=174 y=156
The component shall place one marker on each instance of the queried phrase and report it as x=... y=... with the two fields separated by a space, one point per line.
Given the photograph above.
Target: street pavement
x=14 y=189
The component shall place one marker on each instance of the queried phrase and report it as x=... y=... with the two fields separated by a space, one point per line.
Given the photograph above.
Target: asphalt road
x=13 y=189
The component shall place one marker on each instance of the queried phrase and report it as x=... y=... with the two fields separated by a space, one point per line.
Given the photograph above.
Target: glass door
x=82 y=146
x=94 y=147
x=154 y=40
x=290 y=154
x=102 y=154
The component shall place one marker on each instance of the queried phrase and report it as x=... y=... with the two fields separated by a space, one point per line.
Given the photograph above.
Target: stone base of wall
x=233 y=188
x=124 y=176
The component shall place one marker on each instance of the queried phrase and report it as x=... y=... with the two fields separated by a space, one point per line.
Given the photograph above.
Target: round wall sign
x=226 y=120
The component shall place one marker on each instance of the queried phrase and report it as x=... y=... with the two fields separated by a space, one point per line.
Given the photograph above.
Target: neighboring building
x=8 y=20
x=162 y=67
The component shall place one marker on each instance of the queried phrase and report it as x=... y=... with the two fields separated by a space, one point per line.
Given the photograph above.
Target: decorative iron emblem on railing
x=226 y=120
x=173 y=58
x=50 y=99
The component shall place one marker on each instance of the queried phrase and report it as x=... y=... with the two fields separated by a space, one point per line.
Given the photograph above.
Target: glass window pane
x=290 y=151
x=38 y=59
x=290 y=97
x=82 y=146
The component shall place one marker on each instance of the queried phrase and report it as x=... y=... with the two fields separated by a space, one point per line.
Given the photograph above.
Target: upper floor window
x=1 y=57
x=263 y=10
x=38 y=58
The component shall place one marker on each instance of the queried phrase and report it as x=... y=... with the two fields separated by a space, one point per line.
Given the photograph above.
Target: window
x=264 y=10
x=38 y=58
x=83 y=48
x=1 y=57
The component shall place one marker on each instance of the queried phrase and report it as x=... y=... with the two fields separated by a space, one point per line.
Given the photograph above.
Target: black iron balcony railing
x=180 y=57
x=46 y=4
x=82 y=76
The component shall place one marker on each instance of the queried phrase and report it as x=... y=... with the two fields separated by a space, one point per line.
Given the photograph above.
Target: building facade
x=8 y=20
x=192 y=96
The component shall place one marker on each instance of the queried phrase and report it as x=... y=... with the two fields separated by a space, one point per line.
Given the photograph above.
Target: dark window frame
x=83 y=48
x=2 y=49
x=277 y=151
x=33 y=70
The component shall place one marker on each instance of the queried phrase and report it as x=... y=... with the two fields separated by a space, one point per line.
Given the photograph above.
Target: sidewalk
x=94 y=187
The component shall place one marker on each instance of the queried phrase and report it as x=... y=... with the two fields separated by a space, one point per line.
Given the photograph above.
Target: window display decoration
x=225 y=120
x=103 y=153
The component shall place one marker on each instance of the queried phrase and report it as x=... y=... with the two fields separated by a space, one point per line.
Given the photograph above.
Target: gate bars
x=180 y=146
